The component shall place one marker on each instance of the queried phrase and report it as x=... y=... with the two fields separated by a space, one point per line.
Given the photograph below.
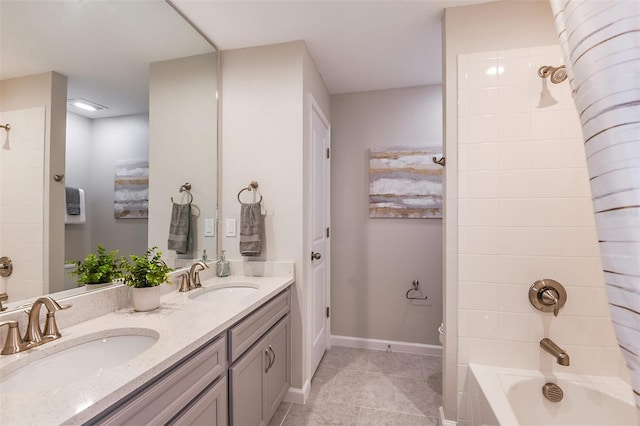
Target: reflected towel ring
x=186 y=188
x=250 y=187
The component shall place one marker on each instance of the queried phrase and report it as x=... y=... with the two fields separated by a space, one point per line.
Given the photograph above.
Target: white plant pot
x=145 y=298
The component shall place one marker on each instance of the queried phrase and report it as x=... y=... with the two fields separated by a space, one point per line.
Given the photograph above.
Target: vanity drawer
x=243 y=335
x=162 y=398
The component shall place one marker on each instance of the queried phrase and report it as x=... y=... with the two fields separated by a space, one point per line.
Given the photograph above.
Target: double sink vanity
x=219 y=354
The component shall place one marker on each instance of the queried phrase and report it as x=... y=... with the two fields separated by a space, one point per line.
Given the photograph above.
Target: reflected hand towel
x=179 y=228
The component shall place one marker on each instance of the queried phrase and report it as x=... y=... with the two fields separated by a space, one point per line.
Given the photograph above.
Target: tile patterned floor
x=359 y=387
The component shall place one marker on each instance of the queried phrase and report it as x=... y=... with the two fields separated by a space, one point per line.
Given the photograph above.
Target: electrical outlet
x=209 y=228
x=230 y=228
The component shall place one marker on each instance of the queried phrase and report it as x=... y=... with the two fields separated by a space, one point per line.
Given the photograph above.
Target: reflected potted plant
x=145 y=274
x=103 y=267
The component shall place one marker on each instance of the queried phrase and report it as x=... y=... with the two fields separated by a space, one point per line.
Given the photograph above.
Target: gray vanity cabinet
x=209 y=388
x=259 y=357
x=193 y=391
x=259 y=379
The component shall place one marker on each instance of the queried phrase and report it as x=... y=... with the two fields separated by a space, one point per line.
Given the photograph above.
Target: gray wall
x=93 y=148
x=373 y=261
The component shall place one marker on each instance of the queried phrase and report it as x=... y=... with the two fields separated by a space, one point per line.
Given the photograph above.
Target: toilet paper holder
x=415 y=289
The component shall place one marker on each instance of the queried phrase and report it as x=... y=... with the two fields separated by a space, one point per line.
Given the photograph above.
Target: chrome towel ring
x=253 y=185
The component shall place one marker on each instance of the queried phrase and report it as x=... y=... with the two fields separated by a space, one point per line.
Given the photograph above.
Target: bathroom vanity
x=222 y=356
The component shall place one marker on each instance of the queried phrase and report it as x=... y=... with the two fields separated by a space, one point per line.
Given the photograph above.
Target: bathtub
x=503 y=396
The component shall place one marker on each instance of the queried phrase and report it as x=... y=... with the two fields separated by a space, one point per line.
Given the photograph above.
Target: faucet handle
x=3 y=298
x=547 y=295
x=185 y=285
x=14 y=342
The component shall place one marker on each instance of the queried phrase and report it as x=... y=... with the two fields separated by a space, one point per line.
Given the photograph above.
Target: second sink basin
x=224 y=292
x=88 y=358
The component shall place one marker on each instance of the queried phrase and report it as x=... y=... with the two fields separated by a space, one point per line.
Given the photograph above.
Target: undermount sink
x=224 y=292
x=89 y=358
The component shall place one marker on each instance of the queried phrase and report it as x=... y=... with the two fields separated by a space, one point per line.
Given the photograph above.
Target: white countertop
x=183 y=325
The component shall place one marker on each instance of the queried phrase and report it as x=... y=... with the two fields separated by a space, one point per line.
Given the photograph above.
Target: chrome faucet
x=194 y=273
x=34 y=333
x=560 y=355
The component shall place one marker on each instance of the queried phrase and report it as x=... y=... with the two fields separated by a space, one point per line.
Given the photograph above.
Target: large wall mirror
x=153 y=79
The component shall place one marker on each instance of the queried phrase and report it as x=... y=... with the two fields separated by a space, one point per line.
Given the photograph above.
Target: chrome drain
x=552 y=392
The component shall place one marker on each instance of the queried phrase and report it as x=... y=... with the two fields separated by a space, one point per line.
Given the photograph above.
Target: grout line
x=286 y=414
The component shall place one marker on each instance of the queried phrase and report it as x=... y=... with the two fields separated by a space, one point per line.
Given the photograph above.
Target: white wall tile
x=516 y=183
x=515 y=70
x=462 y=71
x=546 y=125
x=463 y=130
x=513 y=99
x=524 y=217
x=479 y=268
x=483 y=128
x=515 y=127
x=479 y=296
x=478 y=212
x=482 y=101
x=484 y=324
x=484 y=156
x=463 y=103
x=482 y=73
x=515 y=326
x=560 y=183
x=483 y=184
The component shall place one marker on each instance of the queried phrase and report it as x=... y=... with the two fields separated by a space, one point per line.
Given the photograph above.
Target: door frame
x=314 y=106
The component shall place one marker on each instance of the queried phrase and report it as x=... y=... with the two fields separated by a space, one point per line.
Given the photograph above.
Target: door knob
x=315 y=256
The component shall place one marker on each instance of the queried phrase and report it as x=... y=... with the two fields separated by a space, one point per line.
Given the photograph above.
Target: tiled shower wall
x=22 y=201
x=525 y=214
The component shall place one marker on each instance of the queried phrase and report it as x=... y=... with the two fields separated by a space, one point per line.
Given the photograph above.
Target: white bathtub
x=503 y=396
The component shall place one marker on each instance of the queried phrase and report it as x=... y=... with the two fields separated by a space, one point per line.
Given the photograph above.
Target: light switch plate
x=230 y=228
x=209 y=228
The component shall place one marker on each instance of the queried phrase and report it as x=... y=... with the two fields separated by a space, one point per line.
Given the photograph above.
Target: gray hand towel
x=179 y=228
x=250 y=229
x=72 y=199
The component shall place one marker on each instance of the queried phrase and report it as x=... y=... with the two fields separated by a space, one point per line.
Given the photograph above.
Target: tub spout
x=560 y=355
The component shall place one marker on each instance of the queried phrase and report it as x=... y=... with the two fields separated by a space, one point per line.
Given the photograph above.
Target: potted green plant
x=145 y=274
x=100 y=268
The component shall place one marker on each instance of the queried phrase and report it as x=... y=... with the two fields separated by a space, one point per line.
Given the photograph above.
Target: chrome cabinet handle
x=274 y=356
x=266 y=352
x=315 y=256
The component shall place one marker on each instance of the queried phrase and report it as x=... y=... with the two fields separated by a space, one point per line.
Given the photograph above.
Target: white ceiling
x=357 y=45
x=103 y=47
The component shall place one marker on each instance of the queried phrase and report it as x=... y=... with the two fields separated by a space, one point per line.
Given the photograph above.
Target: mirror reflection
x=104 y=97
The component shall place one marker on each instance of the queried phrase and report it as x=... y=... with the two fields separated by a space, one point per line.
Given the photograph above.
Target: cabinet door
x=276 y=380
x=209 y=409
x=245 y=390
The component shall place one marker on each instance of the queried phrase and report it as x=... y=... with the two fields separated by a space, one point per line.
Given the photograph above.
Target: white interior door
x=319 y=257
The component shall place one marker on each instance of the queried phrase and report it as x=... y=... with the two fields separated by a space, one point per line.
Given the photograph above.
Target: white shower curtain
x=601 y=45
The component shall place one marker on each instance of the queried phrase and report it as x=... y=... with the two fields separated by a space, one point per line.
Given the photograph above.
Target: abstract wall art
x=131 y=190
x=404 y=182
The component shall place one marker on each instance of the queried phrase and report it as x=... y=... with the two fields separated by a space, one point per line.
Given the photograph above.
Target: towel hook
x=250 y=187
x=186 y=188
x=440 y=162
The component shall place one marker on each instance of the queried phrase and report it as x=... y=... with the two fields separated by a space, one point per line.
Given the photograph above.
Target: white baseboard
x=445 y=422
x=297 y=395
x=383 y=345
